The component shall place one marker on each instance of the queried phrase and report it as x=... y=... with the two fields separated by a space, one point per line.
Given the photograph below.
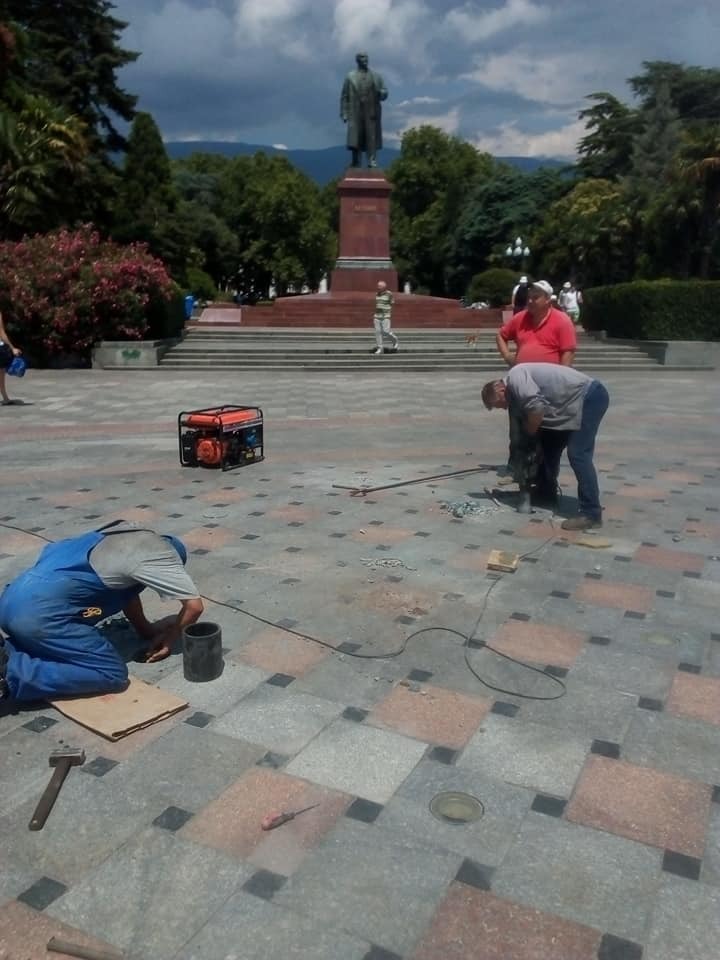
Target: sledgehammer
x=62 y=760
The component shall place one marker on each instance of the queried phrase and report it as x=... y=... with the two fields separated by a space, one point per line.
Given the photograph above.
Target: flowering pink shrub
x=64 y=291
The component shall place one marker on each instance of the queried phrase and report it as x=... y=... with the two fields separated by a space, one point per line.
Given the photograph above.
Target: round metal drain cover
x=456 y=808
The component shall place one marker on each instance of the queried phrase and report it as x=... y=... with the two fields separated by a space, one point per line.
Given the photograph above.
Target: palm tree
x=700 y=161
x=38 y=144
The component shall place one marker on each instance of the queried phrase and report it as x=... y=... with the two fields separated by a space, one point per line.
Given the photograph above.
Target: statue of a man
x=362 y=94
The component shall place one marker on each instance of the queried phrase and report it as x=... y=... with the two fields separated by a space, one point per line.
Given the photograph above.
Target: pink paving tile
x=469 y=560
x=641 y=492
x=72 y=497
x=224 y=496
x=539 y=642
x=539 y=531
x=280 y=652
x=94 y=745
x=132 y=515
x=695 y=697
x=622 y=596
x=24 y=934
x=666 y=559
x=206 y=538
x=291 y=514
x=643 y=804
x=231 y=823
x=471 y=924
x=615 y=511
x=680 y=476
x=432 y=714
x=372 y=535
x=710 y=531
x=395 y=599
x=17 y=543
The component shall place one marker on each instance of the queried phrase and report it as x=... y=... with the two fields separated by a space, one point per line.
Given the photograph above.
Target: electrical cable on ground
x=467 y=638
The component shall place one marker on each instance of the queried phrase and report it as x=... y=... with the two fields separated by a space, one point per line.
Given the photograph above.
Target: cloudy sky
x=508 y=75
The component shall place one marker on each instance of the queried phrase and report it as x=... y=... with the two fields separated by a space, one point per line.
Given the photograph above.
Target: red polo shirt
x=543 y=344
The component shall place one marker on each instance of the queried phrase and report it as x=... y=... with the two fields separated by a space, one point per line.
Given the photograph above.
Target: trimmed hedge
x=495 y=286
x=655 y=310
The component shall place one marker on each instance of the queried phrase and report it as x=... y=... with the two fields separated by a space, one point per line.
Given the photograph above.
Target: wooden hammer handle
x=47 y=800
x=85 y=953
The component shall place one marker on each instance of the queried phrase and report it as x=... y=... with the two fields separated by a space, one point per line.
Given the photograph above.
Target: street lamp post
x=518 y=251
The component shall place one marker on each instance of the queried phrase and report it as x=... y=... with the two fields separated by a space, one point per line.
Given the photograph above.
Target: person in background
x=570 y=301
x=520 y=295
x=383 y=318
x=8 y=351
x=49 y=614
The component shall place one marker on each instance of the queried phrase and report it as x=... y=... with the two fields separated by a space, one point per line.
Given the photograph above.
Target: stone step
x=377 y=363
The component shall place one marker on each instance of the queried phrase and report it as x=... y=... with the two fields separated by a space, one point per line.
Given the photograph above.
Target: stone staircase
x=335 y=351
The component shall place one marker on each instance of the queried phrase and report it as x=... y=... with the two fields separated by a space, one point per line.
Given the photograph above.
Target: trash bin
x=189 y=304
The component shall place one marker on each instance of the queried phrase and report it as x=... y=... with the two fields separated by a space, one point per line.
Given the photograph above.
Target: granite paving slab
x=132 y=899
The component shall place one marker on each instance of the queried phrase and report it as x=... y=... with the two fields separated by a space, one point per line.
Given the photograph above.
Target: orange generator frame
x=227 y=437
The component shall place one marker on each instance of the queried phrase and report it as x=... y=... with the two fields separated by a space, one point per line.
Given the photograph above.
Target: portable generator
x=227 y=437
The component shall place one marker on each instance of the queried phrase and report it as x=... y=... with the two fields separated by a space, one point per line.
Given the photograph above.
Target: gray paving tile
x=686 y=922
x=187 y=767
x=628 y=672
x=686 y=747
x=528 y=754
x=217 y=696
x=279 y=719
x=711 y=858
x=132 y=900
x=343 y=681
x=24 y=768
x=487 y=840
x=372 y=884
x=88 y=822
x=583 y=875
x=587 y=709
x=358 y=759
x=254 y=929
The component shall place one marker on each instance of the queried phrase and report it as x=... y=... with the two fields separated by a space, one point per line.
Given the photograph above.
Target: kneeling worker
x=565 y=408
x=50 y=612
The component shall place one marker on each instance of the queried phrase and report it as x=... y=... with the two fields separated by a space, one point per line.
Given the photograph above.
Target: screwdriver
x=273 y=820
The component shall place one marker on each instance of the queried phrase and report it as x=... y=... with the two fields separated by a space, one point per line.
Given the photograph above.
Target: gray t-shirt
x=556 y=391
x=128 y=556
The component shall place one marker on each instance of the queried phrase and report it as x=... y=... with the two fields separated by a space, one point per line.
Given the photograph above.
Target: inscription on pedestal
x=365 y=208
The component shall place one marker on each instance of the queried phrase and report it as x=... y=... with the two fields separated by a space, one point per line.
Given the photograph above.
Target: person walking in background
x=520 y=295
x=383 y=318
x=8 y=352
x=570 y=301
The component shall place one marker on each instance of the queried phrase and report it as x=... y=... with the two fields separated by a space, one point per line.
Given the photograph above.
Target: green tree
x=43 y=151
x=587 y=234
x=606 y=149
x=431 y=180
x=75 y=58
x=694 y=91
x=699 y=160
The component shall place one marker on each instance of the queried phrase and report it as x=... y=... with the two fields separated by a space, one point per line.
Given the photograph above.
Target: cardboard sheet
x=116 y=715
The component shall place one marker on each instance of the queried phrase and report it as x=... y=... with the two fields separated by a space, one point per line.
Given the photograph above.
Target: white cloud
x=402 y=27
x=416 y=101
x=472 y=24
x=508 y=140
x=448 y=122
x=546 y=77
x=280 y=146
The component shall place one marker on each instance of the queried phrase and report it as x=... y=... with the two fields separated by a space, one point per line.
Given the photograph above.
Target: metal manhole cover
x=456 y=808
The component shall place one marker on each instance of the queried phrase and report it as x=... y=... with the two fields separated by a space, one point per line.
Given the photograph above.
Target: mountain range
x=322 y=165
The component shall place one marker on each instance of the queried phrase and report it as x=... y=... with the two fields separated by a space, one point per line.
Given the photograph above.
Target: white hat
x=567 y=285
x=523 y=280
x=544 y=286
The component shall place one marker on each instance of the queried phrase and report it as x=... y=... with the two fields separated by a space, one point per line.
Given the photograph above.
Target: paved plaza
x=600 y=838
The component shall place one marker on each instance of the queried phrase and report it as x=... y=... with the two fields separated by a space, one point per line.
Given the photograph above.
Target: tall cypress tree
x=74 y=57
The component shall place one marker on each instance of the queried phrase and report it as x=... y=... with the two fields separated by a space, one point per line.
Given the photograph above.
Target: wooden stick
x=55 y=945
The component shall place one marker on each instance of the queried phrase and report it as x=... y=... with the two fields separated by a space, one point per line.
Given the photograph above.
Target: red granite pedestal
x=364 y=254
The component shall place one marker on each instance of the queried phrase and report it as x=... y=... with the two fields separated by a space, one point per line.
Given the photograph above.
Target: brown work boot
x=581 y=522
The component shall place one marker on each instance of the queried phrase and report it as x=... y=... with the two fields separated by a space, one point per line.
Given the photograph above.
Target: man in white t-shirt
x=570 y=301
x=50 y=613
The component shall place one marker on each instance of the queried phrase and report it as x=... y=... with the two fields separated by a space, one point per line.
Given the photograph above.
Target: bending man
x=51 y=611
x=564 y=407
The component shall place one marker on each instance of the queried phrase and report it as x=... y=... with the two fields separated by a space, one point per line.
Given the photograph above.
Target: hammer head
x=73 y=756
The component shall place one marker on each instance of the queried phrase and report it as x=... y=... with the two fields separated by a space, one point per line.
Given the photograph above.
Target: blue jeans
x=581 y=447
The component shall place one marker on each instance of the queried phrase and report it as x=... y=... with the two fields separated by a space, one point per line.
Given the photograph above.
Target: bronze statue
x=362 y=94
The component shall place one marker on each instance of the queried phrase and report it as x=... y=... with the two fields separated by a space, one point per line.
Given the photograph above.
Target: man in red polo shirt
x=542 y=334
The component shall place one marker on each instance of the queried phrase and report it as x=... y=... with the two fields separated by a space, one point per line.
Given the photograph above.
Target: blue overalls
x=49 y=614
